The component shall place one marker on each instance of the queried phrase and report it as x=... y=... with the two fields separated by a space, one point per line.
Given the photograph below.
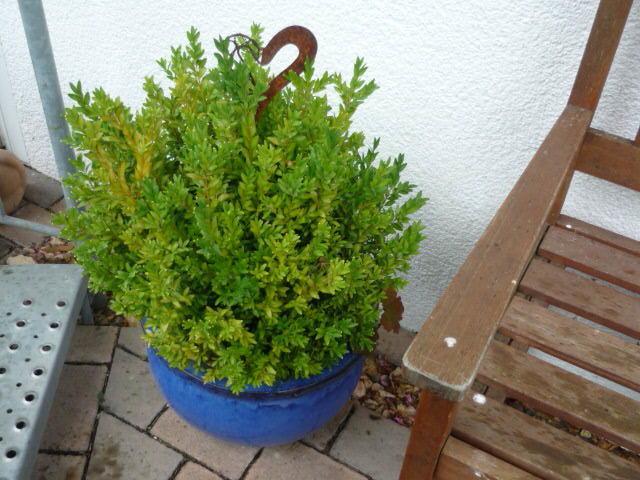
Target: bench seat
x=564 y=274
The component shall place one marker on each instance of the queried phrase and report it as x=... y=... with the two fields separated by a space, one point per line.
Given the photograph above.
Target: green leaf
x=257 y=252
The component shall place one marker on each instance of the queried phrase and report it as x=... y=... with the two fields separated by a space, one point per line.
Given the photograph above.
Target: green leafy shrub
x=257 y=251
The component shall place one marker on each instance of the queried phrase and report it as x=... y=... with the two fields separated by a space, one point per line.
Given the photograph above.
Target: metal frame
x=44 y=66
x=26 y=224
x=39 y=304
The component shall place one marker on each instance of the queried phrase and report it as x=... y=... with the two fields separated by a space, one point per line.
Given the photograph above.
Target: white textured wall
x=468 y=91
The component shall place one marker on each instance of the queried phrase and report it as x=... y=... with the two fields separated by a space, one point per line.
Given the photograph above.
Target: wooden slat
x=461 y=461
x=611 y=158
x=591 y=257
x=598 y=55
x=593 y=350
x=535 y=446
x=474 y=302
x=582 y=296
x=547 y=388
x=602 y=235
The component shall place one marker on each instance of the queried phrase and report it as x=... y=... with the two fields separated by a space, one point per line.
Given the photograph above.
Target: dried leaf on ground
x=383 y=389
x=388 y=394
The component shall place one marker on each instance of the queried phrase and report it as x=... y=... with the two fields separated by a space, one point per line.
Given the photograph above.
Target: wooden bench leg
x=430 y=430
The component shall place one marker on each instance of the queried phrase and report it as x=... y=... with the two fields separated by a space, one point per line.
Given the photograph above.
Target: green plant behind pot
x=257 y=252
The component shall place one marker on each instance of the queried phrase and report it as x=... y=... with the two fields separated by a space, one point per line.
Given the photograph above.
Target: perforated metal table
x=39 y=305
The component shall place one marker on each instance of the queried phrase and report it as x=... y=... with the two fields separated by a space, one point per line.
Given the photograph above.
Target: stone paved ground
x=108 y=420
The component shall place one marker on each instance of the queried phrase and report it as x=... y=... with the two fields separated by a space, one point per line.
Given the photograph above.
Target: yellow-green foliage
x=257 y=252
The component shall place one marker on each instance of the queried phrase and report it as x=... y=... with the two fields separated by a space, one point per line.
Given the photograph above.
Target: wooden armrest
x=445 y=355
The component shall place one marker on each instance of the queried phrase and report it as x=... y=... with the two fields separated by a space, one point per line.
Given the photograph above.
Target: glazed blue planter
x=261 y=416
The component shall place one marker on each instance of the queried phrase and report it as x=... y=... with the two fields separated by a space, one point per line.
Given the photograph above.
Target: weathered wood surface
x=547 y=388
x=535 y=446
x=602 y=235
x=598 y=55
x=611 y=158
x=445 y=355
x=429 y=433
x=591 y=257
x=582 y=296
x=461 y=461
x=588 y=348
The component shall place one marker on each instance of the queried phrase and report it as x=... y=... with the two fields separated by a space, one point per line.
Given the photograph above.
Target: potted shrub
x=258 y=251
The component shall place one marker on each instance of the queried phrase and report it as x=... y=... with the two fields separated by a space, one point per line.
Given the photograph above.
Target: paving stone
x=229 y=459
x=5 y=247
x=322 y=436
x=58 y=467
x=131 y=393
x=23 y=236
x=74 y=408
x=92 y=344
x=42 y=189
x=296 y=461
x=58 y=207
x=131 y=339
x=373 y=446
x=193 y=471
x=393 y=345
x=3 y=260
x=122 y=452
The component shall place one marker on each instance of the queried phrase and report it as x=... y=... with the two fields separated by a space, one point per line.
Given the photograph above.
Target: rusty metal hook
x=307 y=48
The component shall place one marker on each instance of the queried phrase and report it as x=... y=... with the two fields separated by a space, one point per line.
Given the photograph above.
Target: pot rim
x=283 y=388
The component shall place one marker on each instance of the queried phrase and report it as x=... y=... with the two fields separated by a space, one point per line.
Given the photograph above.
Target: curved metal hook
x=307 y=48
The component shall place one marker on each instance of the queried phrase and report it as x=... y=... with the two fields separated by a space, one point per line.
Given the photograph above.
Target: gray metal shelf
x=39 y=305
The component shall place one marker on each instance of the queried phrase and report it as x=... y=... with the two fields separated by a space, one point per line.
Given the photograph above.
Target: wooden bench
x=491 y=403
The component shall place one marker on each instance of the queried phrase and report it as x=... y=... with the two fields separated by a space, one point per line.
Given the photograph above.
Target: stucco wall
x=468 y=91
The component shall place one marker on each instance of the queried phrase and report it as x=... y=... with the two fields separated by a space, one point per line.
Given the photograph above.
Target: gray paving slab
x=374 y=446
x=58 y=467
x=74 y=408
x=131 y=339
x=122 y=452
x=131 y=392
x=296 y=462
x=193 y=471
x=5 y=247
x=92 y=344
x=22 y=236
x=58 y=207
x=42 y=189
x=321 y=437
x=226 y=458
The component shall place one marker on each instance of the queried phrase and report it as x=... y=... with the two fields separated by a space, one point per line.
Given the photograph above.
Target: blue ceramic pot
x=260 y=416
